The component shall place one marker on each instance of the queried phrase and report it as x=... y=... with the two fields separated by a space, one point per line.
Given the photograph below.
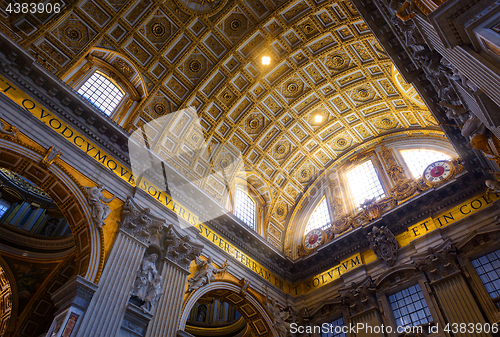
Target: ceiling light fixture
x=266 y=60
x=318 y=119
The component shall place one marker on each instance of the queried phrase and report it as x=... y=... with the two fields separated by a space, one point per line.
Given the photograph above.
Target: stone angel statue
x=205 y=273
x=97 y=200
x=280 y=317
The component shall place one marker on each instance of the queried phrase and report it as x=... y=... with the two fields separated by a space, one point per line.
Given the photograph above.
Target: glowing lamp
x=318 y=119
x=266 y=60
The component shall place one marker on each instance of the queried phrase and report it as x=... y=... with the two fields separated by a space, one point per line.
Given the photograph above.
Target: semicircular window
x=320 y=217
x=418 y=159
x=102 y=93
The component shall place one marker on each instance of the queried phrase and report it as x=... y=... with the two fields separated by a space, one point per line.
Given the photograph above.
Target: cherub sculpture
x=97 y=200
x=205 y=274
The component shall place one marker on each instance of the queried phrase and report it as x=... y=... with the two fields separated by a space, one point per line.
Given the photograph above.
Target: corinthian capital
x=180 y=249
x=438 y=262
x=139 y=222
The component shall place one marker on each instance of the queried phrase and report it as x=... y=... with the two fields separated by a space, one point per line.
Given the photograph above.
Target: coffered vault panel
x=206 y=54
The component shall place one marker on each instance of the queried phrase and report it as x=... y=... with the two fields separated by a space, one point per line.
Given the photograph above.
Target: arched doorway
x=212 y=316
x=68 y=195
x=247 y=305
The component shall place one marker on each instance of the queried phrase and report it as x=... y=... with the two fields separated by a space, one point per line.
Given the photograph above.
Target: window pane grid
x=102 y=93
x=245 y=208
x=4 y=206
x=364 y=183
x=488 y=269
x=335 y=329
x=418 y=159
x=409 y=307
x=320 y=217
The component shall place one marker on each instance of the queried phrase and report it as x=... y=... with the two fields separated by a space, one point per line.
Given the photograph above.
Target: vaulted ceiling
x=207 y=54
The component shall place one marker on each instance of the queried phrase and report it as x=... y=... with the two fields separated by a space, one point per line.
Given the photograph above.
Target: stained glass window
x=320 y=217
x=245 y=208
x=102 y=93
x=418 y=159
x=364 y=183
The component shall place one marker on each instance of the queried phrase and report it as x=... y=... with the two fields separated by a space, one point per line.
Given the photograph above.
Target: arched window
x=320 y=217
x=364 y=183
x=244 y=208
x=418 y=159
x=102 y=93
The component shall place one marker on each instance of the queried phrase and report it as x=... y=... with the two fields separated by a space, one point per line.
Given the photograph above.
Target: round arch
x=120 y=71
x=68 y=195
x=419 y=138
x=247 y=305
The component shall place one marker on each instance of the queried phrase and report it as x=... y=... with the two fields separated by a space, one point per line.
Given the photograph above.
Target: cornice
x=18 y=65
x=397 y=220
x=36 y=244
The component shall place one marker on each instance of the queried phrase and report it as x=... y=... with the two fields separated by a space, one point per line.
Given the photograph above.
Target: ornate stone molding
x=438 y=262
x=50 y=157
x=384 y=244
x=12 y=134
x=373 y=209
x=359 y=297
x=77 y=292
x=180 y=249
x=138 y=221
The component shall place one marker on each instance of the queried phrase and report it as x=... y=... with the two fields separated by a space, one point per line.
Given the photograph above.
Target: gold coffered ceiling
x=206 y=54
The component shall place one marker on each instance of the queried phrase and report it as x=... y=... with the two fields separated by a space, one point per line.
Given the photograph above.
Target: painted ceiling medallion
x=202 y=6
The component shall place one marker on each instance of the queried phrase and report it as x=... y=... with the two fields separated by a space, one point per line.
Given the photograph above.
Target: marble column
x=72 y=299
x=179 y=252
x=109 y=304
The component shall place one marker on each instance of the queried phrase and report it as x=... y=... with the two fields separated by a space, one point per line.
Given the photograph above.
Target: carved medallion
x=337 y=60
x=363 y=93
x=292 y=88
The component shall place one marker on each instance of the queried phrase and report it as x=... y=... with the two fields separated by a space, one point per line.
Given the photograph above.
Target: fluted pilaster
x=108 y=305
x=168 y=310
x=179 y=252
x=370 y=320
x=458 y=304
